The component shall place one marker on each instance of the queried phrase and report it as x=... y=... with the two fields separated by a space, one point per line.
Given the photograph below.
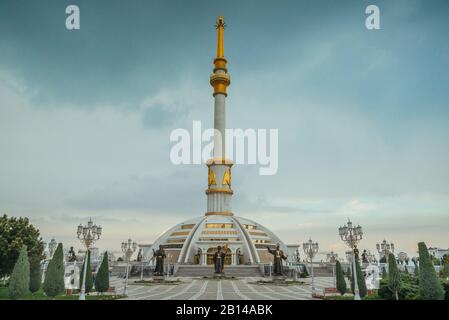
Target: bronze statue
x=219 y=257
x=364 y=257
x=278 y=256
x=239 y=256
x=72 y=256
x=139 y=256
x=198 y=256
x=160 y=257
x=356 y=253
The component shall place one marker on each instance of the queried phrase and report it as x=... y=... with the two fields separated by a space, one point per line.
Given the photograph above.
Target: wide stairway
x=322 y=271
x=230 y=271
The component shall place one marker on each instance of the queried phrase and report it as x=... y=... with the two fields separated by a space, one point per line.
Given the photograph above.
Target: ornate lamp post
x=142 y=258
x=384 y=249
x=311 y=249
x=332 y=258
x=370 y=256
x=52 y=247
x=351 y=235
x=87 y=235
x=128 y=248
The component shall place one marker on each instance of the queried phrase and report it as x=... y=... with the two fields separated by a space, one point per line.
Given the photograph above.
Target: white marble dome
x=194 y=241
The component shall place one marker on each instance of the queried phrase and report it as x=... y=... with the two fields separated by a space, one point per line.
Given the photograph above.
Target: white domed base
x=195 y=241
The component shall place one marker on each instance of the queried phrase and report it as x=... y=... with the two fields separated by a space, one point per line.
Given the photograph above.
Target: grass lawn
x=39 y=295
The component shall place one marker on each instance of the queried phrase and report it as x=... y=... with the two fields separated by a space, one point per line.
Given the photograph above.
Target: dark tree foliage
x=20 y=277
x=341 y=283
x=360 y=280
x=35 y=275
x=102 y=278
x=54 y=276
x=394 y=280
x=409 y=288
x=15 y=233
x=89 y=277
x=429 y=284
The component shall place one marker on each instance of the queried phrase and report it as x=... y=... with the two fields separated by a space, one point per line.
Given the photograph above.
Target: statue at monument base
x=159 y=255
x=278 y=256
x=219 y=258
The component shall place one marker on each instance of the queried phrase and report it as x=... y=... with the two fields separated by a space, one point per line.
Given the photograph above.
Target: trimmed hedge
x=429 y=284
x=54 y=277
x=35 y=275
x=19 y=281
x=409 y=288
x=102 y=278
x=341 y=283
x=89 y=277
x=394 y=280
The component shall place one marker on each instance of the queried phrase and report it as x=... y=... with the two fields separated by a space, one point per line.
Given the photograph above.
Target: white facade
x=438 y=252
x=194 y=241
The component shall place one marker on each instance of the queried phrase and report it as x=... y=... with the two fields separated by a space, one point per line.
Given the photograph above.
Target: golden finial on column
x=220 y=80
x=220 y=25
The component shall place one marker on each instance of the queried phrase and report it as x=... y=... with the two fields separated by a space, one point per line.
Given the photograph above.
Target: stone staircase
x=230 y=271
x=322 y=271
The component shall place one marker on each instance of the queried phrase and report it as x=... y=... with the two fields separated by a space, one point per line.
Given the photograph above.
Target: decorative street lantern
x=332 y=258
x=128 y=248
x=384 y=249
x=311 y=249
x=87 y=235
x=351 y=235
x=52 y=247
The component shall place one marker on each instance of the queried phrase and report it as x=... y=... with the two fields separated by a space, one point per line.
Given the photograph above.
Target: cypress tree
x=429 y=285
x=384 y=273
x=102 y=278
x=19 y=281
x=341 y=283
x=394 y=280
x=444 y=273
x=35 y=275
x=54 y=277
x=416 y=270
x=89 y=278
x=360 y=280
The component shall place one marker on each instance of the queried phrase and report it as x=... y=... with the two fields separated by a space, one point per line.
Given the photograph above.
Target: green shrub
x=384 y=273
x=429 y=284
x=445 y=285
x=409 y=288
x=102 y=278
x=19 y=281
x=89 y=277
x=394 y=281
x=444 y=272
x=360 y=280
x=35 y=275
x=406 y=269
x=305 y=273
x=54 y=277
x=341 y=283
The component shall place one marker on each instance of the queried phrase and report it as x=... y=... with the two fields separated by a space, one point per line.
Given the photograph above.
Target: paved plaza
x=236 y=289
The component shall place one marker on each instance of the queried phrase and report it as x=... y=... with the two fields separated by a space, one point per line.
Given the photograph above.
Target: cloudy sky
x=85 y=116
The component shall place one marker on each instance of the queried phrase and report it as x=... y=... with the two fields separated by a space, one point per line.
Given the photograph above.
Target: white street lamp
x=384 y=249
x=87 y=235
x=332 y=258
x=52 y=247
x=128 y=248
x=351 y=235
x=311 y=249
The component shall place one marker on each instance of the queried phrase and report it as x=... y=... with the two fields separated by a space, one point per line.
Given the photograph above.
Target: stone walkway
x=238 y=289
